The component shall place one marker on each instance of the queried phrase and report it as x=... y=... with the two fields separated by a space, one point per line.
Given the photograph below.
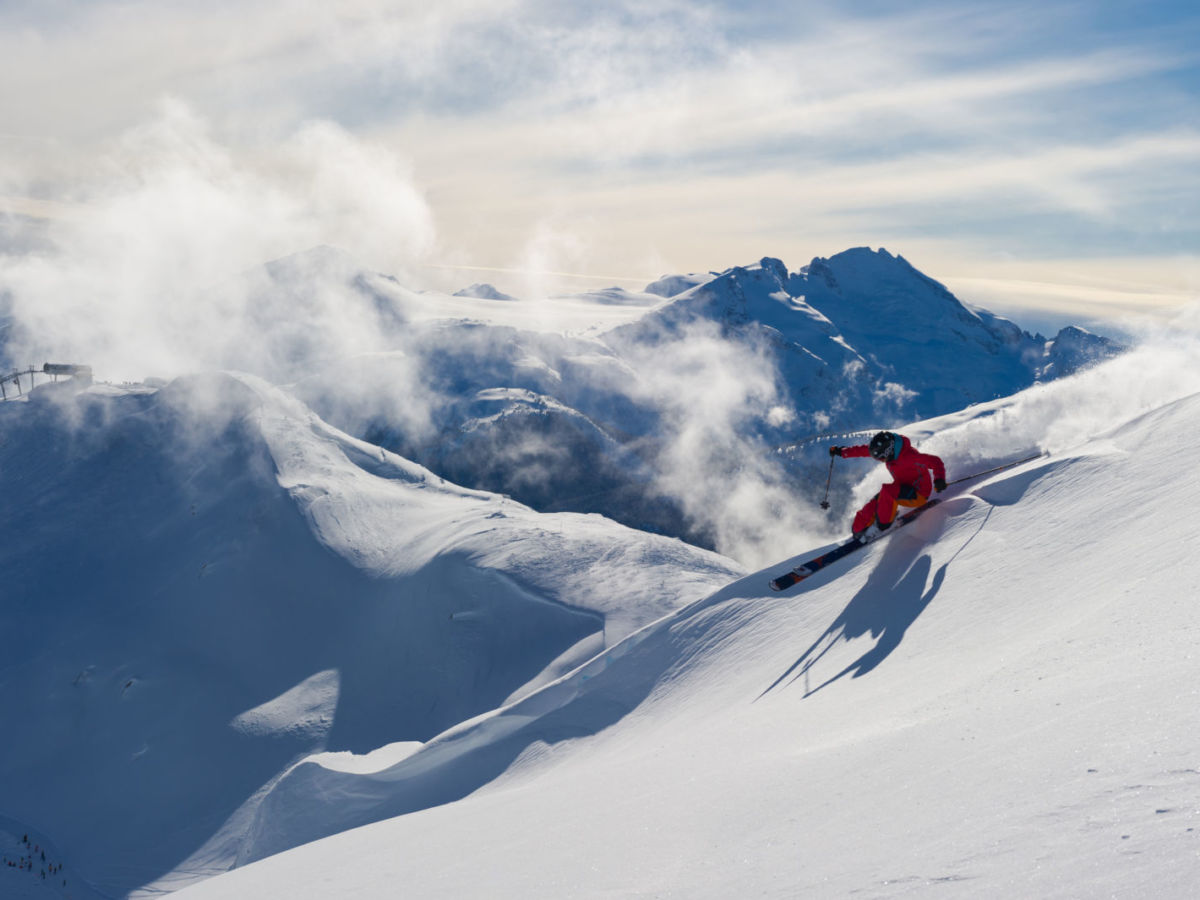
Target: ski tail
x=812 y=566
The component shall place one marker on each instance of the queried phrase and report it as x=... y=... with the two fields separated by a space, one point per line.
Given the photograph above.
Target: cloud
x=617 y=137
x=672 y=135
x=144 y=275
x=888 y=131
x=1081 y=300
x=255 y=64
x=712 y=395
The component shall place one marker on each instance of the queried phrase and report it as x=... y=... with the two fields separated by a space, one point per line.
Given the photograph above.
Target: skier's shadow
x=893 y=597
x=886 y=612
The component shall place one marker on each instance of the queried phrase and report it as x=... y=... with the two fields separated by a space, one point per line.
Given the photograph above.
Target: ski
x=798 y=574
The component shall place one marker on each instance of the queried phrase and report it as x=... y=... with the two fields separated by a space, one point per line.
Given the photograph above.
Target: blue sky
x=1034 y=156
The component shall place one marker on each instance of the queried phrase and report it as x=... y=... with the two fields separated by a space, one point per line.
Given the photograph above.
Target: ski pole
x=996 y=469
x=825 y=500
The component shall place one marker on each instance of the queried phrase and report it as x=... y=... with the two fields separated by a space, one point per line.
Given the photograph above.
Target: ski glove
x=835 y=451
x=939 y=484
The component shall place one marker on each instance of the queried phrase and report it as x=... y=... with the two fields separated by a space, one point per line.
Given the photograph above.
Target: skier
x=916 y=475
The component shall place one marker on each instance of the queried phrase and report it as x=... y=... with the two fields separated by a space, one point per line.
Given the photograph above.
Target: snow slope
x=204 y=583
x=997 y=702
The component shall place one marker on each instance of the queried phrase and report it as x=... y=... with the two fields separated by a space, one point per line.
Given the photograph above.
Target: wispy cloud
x=1106 y=291
x=630 y=138
x=146 y=274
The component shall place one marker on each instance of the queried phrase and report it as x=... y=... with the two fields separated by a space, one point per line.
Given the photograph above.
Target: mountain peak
x=674 y=285
x=1075 y=348
x=483 y=292
x=871 y=312
x=775 y=268
x=864 y=253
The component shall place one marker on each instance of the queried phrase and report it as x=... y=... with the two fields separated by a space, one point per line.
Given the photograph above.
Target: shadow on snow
x=895 y=594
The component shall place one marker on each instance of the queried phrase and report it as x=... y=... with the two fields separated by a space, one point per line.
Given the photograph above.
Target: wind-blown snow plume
x=711 y=392
x=139 y=279
x=1057 y=416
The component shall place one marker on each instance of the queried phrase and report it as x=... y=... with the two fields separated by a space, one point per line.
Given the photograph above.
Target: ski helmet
x=883 y=446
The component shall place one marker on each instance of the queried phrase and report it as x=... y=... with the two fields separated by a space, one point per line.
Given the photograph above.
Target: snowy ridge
x=983 y=700
x=207 y=582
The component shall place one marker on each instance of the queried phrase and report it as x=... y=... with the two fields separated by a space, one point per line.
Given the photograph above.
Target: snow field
x=1000 y=702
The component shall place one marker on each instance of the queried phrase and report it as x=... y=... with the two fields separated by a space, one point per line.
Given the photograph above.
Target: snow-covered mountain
x=991 y=703
x=205 y=583
x=863 y=336
x=229 y=628
x=602 y=422
x=625 y=403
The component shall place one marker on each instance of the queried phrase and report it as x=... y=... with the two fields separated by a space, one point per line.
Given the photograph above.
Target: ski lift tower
x=82 y=374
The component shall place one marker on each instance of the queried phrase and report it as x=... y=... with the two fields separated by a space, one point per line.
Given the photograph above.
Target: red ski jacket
x=910 y=466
